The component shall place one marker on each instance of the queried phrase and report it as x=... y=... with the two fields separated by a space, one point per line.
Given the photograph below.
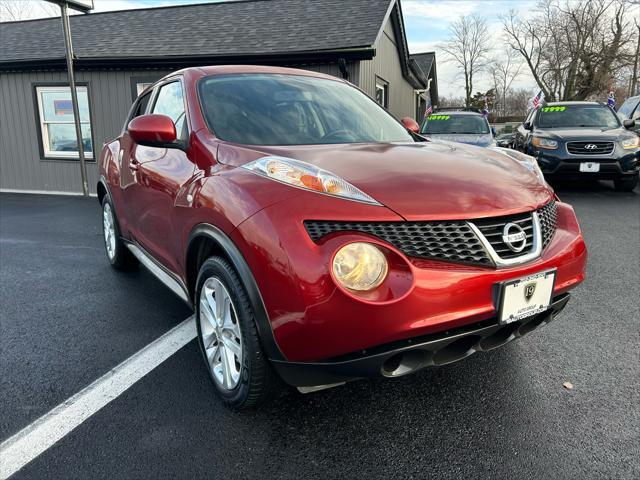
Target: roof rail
x=458 y=109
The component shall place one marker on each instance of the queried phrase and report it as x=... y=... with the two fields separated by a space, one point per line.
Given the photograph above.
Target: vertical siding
x=21 y=167
x=386 y=65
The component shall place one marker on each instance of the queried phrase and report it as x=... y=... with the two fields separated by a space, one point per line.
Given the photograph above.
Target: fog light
x=360 y=266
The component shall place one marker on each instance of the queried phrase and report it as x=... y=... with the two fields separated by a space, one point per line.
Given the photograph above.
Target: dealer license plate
x=523 y=297
x=591 y=167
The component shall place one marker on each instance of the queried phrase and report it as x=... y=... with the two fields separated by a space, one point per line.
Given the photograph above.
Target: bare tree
x=574 y=48
x=468 y=46
x=15 y=10
x=504 y=71
x=450 y=101
x=633 y=84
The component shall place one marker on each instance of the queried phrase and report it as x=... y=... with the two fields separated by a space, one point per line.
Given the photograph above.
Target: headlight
x=360 y=266
x=629 y=143
x=547 y=143
x=307 y=176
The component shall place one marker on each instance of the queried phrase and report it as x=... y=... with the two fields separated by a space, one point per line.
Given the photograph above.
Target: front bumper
x=556 y=164
x=407 y=356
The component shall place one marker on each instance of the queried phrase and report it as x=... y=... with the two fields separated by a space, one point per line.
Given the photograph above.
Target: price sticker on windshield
x=439 y=117
x=554 y=109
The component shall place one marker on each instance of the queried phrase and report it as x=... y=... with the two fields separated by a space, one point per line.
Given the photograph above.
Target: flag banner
x=537 y=100
x=611 y=99
x=428 y=110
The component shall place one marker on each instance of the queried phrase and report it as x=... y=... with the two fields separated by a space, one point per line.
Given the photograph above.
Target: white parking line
x=34 y=439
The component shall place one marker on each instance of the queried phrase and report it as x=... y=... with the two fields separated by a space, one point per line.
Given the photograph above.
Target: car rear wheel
x=118 y=254
x=228 y=338
x=626 y=184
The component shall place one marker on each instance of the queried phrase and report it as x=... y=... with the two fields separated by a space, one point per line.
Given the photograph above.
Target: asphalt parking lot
x=67 y=318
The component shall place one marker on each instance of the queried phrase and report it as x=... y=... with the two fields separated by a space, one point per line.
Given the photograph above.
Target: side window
x=627 y=107
x=141 y=107
x=636 y=114
x=170 y=102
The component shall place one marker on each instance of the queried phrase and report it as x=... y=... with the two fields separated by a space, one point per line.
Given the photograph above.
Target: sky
x=426 y=21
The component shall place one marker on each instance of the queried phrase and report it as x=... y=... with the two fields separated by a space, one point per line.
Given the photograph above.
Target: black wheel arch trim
x=232 y=252
x=103 y=181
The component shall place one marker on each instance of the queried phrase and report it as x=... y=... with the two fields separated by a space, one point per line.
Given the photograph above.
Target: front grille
x=452 y=241
x=590 y=148
x=548 y=216
x=492 y=229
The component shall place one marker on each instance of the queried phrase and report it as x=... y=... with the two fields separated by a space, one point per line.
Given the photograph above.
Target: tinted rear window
x=450 y=123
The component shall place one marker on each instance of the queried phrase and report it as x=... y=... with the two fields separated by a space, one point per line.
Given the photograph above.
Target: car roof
x=248 y=69
x=457 y=112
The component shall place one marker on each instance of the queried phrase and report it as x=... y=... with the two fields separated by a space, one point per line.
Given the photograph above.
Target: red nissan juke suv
x=319 y=240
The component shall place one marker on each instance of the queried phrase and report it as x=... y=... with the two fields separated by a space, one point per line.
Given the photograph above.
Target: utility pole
x=85 y=6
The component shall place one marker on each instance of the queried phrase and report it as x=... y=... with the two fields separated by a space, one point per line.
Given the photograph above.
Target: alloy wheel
x=108 y=227
x=221 y=337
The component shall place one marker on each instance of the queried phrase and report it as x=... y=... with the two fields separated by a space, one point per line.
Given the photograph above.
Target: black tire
x=626 y=184
x=257 y=382
x=122 y=258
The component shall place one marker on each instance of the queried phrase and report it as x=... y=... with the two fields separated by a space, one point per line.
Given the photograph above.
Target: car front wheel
x=228 y=338
x=626 y=184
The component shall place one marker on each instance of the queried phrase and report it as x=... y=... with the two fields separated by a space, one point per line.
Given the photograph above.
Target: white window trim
x=142 y=86
x=44 y=132
x=384 y=86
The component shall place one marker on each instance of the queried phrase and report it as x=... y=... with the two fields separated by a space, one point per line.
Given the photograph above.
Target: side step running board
x=159 y=272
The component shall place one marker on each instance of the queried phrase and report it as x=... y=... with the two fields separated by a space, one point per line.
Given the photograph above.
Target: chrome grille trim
x=533 y=251
x=580 y=148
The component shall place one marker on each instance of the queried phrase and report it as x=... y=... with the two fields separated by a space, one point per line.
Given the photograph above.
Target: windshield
x=455 y=124
x=564 y=116
x=276 y=109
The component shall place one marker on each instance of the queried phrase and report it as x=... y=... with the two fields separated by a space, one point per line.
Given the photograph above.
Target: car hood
x=471 y=139
x=429 y=180
x=583 y=134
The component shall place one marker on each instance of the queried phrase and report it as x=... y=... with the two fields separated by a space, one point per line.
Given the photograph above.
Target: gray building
x=427 y=63
x=119 y=53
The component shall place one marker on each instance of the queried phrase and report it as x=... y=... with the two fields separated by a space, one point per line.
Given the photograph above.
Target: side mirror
x=153 y=130
x=527 y=126
x=628 y=123
x=410 y=124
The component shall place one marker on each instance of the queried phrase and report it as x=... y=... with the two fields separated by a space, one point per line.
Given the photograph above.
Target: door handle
x=134 y=165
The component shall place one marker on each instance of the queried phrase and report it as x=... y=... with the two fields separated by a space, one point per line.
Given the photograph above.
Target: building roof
x=225 y=30
x=426 y=62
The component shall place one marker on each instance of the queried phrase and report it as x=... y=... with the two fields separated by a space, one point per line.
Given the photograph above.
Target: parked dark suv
x=582 y=139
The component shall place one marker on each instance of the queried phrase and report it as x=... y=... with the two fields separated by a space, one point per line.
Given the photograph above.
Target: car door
x=127 y=175
x=160 y=174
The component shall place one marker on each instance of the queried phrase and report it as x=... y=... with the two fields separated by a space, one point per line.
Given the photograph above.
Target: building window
x=140 y=87
x=382 y=92
x=57 y=128
x=138 y=84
